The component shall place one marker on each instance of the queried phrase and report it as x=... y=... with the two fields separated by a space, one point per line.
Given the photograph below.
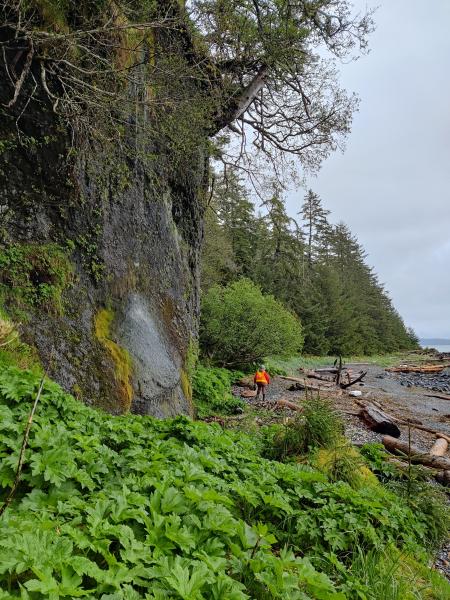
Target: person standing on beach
x=261 y=380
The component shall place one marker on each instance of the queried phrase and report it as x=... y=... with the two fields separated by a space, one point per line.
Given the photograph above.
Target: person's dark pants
x=261 y=390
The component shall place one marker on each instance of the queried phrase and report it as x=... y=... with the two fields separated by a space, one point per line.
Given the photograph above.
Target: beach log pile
x=418 y=368
x=435 y=461
x=325 y=379
x=378 y=420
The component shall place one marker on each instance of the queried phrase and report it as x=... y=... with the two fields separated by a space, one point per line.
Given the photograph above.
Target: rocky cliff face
x=99 y=260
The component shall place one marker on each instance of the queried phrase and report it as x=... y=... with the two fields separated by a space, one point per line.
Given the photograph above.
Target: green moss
x=54 y=13
x=120 y=357
x=33 y=276
x=191 y=359
x=186 y=386
x=14 y=352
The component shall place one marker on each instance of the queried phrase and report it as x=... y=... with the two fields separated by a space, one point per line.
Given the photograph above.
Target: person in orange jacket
x=261 y=380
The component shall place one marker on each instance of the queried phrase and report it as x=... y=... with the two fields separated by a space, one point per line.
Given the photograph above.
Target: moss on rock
x=33 y=276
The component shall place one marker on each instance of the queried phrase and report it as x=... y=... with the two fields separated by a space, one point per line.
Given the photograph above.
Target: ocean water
x=442 y=347
x=439 y=347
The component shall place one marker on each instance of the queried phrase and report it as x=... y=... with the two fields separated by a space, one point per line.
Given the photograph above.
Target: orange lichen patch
x=120 y=357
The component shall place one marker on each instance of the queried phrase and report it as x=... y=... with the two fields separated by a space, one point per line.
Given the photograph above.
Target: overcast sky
x=391 y=186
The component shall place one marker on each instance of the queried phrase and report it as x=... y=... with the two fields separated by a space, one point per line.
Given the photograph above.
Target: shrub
x=240 y=325
x=211 y=391
x=318 y=426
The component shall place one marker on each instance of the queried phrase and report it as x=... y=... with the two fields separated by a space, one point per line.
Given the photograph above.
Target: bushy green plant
x=318 y=426
x=211 y=391
x=240 y=325
x=376 y=458
x=134 y=508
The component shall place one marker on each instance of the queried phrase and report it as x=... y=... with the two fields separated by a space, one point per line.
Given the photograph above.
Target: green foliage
x=376 y=457
x=130 y=507
x=411 y=483
x=211 y=391
x=33 y=275
x=240 y=325
x=318 y=426
x=315 y=269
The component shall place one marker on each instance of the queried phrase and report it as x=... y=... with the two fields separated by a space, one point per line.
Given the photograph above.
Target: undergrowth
x=318 y=426
x=211 y=391
x=130 y=507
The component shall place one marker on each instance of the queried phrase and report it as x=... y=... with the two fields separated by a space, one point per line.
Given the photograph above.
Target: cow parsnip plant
x=131 y=507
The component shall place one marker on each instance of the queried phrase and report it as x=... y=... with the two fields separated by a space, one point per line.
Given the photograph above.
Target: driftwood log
x=379 y=421
x=315 y=375
x=411 y=424
x=416 y=455
x=439 y=448
x=304 y=382
x=417 y=369
x=248 y=394
x=443 y=477
x=344 y=386
x=287 y=404
x=441 y=396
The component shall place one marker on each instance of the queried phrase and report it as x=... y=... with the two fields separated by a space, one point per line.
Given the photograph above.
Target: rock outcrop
x=116 y=320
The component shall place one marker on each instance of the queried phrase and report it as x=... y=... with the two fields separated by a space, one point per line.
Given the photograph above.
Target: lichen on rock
x=120 y=357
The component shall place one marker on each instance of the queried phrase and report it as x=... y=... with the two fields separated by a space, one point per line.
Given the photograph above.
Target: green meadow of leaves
x=131 y=507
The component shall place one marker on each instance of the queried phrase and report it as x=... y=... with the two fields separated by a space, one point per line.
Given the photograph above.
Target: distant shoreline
x=431 y=341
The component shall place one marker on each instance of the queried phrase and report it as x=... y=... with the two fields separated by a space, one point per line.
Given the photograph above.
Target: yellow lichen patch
x=119 y=356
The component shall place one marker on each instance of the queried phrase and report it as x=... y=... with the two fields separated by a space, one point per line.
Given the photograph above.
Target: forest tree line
x=315 y=268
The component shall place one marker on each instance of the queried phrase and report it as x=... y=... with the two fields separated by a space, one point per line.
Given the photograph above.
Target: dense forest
x=316 y=269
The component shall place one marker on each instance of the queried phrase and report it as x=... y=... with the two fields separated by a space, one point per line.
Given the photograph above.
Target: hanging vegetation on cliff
x=256 y=70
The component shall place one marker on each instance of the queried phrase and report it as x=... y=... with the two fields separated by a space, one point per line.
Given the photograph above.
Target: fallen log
x=304 y=384
x=417 y=369
x=314 y=375
x=248 y=394
x=443 y=436
x=379 y=421
x=443 y=477
x=441 y=396
x=411 y=424
x=416 y=455
x=344 y=386
x=439 y=448
x=287 y=404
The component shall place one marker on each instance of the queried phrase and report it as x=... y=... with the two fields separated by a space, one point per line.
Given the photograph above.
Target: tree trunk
x=416 y=455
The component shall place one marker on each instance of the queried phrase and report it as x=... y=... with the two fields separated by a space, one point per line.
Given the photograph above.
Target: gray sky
x=391 y=186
